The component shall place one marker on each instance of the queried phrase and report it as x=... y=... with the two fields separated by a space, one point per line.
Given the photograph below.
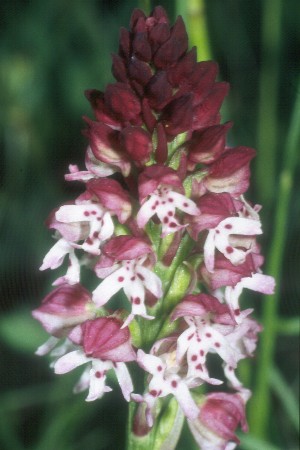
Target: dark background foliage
x=50 y=52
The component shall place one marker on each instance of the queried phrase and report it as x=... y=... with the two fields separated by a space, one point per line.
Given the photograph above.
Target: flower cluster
x=161 y=190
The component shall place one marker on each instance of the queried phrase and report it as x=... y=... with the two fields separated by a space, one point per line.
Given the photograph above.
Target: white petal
x=209 y=251
x=55 y=257
x=107 y=228
x=47 y=346
x=151 y=281
x=150 y=363
x=259 y=283
x=240 y=225
x=146 y=212
x=109 y=287
x=69 y=361
x=97 y=383
x=79 y=213
x=124 y=380
x=185 y=400
x=183 y=343
x=183 y=203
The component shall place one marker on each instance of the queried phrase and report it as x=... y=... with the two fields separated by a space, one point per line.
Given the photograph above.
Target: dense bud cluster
x=162 y=220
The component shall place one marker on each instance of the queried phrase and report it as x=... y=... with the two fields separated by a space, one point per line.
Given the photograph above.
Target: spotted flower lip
x=214 y=208
x=163 y=201
x=219 y=238
x=203 y=313
x=227 y=274
x=162 y=113
x=166 y=378
x=129 y=259
x=105 y=346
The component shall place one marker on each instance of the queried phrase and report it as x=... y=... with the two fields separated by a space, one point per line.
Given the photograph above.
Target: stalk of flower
x=162 y=192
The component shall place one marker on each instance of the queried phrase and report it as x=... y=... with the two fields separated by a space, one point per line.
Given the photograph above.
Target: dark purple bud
x=148 y=116
x=123 y=102
x=139 y=71
x=158 y=34
x=161 y=153
x=184 y=68
x=174 y=47
x=124 y=43
x=177 y=115
x=101 y=111
x=119 y=68
x=136 y=15
x=137 y=143
x=207 y=112
x=122 y=248
x=140 y=45
x=208 y=144
x=159 y=91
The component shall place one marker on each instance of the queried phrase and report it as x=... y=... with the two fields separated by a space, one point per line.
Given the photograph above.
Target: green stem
x=194 y=14
x=260 y=404
x=267 y=124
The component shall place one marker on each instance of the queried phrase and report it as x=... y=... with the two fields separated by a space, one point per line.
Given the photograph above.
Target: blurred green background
x=50 y=52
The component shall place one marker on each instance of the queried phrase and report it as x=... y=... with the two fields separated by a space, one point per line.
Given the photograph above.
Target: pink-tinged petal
x=188 y=307
x=209 y=251
x=109 y=287
x=146 y=211
x=124 y=380
x=150 y=363
x=111 y=196
x=104 y=142
x=154 y=176
x=124 y=248
x=70 y=361
x=184 y=204
x=184 y=398
x=64 y=307
x=207 y=145
x=97 y=167
x=151 y=281
x=105 y=339
x=264 y=284
x=47 y=346
x=55 y=257
x=230 y=173
x=257 y=282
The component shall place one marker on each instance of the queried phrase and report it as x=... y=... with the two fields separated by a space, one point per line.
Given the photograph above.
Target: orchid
x=162 y=218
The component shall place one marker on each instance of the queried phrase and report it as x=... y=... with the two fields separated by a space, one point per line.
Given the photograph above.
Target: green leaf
x=249 y=442
x=21 y=332
x=286 y=396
